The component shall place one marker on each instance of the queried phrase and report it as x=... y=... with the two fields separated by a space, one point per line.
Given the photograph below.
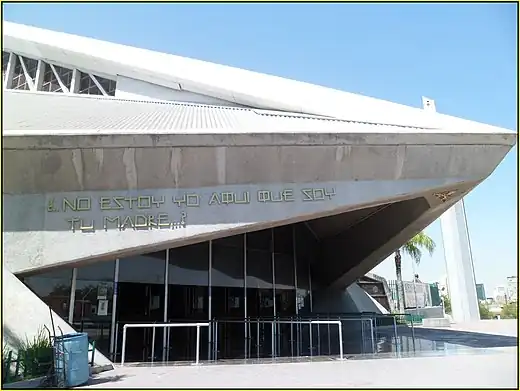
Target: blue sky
x=461 y=55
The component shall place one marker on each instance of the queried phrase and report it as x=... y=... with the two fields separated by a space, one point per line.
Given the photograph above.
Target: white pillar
x=9 y=73
x=74 y=84
x=459 y=260
x=40 y=72
x=459 y=264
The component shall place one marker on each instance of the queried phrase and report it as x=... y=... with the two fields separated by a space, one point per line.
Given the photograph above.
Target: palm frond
x=415 y=245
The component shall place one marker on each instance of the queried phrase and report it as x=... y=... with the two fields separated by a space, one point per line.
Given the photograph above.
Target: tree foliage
x=485 y=313
x=447 y=304
x=509 y=311
x=414 y=248
x=417 y=244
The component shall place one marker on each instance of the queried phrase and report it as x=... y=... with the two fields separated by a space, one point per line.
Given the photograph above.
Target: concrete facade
x=182 y=151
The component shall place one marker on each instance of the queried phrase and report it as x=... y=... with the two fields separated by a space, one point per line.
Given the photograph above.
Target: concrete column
x=457 y=253
x=459 y=264
x=40 y=72
x=9 y=72
x=74 y=85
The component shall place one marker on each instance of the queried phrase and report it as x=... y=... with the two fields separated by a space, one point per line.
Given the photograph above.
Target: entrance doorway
x=140 y=303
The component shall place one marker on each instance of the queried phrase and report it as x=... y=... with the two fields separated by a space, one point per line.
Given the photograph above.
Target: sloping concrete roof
x=223 y=82
x=51 y=111
x=42 y=114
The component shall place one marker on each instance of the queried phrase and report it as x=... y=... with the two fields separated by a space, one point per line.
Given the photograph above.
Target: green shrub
x=36 y=355
x=8 y=373
x=485 y=313
x=509 y=311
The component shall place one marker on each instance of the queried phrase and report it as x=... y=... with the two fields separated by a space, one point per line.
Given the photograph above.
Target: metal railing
x=153 y=326
x=274 y=323
x=299 y=336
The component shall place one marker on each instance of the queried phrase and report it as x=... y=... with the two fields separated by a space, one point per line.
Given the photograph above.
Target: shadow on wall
x=456 y=337
x=10 y=339
x=350 y=300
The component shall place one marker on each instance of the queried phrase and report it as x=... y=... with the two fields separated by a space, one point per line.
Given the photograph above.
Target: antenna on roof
x=428 y=104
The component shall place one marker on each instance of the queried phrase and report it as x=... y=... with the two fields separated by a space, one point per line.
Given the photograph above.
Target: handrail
x=309 y=322
x=165 y=325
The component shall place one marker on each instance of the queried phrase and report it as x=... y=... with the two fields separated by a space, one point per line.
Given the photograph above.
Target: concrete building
x=146 y=187
x=512 y=288
x=481 y=292
x=500 y=295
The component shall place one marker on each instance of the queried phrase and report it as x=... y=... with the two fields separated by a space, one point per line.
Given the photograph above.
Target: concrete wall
x=42 y=230
x=128 y=88
x=23 y=314
x=350 y=300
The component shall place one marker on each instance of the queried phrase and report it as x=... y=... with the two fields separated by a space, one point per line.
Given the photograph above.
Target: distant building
x=500 y=295
x=481 y=292
x=512 y=288
x=443 y=286
x=419 y=290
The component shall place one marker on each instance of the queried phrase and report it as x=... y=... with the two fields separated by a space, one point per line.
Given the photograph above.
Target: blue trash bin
x=71 y=359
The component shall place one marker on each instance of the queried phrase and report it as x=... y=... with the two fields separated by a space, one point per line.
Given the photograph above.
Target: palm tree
x=413 y=248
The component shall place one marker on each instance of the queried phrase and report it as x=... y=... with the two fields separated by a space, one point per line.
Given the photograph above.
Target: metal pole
x=245 y=298
x=372 y=335
x=295 y=266
x=413 y=338
x=310 y=338
x=328 y=335
x=310 y=283
x=123 y=351
x=210 y=267
x=153 y=343
x=113 y=331
x=115 y=342
x=216 y=340
x=257 y=340
x=292 y=340
x=340 y=334
x=198 y=345
x=273 y=272
x=166 y=342
x=415 y=290
x=273 y=265
x=272 y=340
x=397 y=350
x=72 y=295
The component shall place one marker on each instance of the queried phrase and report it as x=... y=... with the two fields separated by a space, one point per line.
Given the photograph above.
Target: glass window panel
x=99 y=271
x=284 y=271
x=5 y=62
x=228 y=264
x=50 y=83
x=87 y=85
x=54 y=289
x=231 y=241
x=93 y=304
x=188 y=265
x=19 y=81
x=259 y=269
x=302 y=272
x=65 y=75
x=108 y=85
x=260 y=240
x=31 y=65
x=283 y=240
x=148 y=268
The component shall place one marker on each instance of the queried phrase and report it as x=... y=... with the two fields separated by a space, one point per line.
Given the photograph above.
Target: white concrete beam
x=40 y=72
x=74 y=85
x=8 y=79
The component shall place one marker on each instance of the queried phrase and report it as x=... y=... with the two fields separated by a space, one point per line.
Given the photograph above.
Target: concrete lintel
x=44 y=139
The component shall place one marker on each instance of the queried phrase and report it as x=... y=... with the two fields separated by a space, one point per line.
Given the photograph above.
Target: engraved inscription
x=144 y=212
